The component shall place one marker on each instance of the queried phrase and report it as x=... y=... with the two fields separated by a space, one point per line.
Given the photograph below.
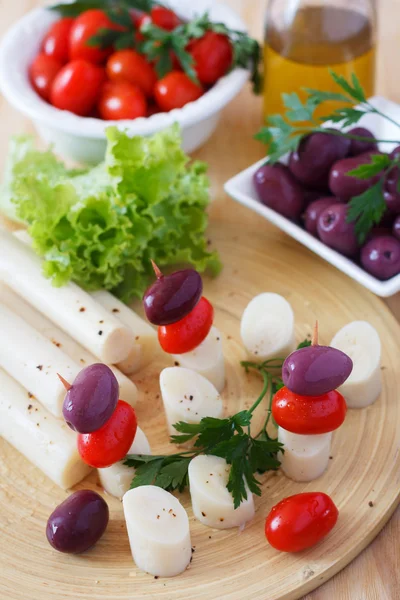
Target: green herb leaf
x=366 y=210
x=378 y=163
x=344 y=116
x=146 y=473
x=173 y=475
x=120 y=16
x=298 y=111
x=318 y=96
x=74 y=9
x=103 y=39
x=304 y=344
x=126 y=40
x=355 y=91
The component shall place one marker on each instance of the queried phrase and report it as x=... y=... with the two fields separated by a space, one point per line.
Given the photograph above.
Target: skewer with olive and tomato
x=309 y=408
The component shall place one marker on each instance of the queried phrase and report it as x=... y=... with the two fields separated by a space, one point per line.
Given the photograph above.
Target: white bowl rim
x=381 y=288
x=39 y=110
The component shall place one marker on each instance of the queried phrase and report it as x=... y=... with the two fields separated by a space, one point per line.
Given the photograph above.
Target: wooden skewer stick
x=65 y=383
x=314 y=341
x=156 y=269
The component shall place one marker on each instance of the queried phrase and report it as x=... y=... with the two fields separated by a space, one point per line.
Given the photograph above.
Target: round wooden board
x=363 y=476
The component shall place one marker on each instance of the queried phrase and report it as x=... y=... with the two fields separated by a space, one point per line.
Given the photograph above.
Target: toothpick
x=65 y=383
x=314 y=341
x=156 y=269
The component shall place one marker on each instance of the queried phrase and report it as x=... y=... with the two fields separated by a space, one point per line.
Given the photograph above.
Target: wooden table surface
x=375 y=574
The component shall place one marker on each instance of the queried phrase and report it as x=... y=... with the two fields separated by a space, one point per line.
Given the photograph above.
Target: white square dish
x=241 y=188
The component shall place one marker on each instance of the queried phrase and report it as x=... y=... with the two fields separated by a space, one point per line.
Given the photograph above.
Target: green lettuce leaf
x=100 y=227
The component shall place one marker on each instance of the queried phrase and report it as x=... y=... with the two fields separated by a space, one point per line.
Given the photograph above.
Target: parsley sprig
x=73 y=9
x=159 y=44
x=229 y=438
x=283 y=134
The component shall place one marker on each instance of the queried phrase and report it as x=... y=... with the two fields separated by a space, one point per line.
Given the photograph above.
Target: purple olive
x=313 y=159
x=346 y=186
x=278 y=189
x=172 y=297
x=357 y=146
x=396 y=228
x=316 y=370
x=391 y=191
x=381 y=257
x=395 y=153
x=92 y=398
x=78 y=522
x=335 y=232
x=313 y=211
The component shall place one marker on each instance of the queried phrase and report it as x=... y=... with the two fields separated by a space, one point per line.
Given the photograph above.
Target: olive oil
x=317 y=39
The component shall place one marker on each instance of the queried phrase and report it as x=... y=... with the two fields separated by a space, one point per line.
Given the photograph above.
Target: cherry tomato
x=42 y=73
x=129 y=65
x=308 y=415
x=185 y=335
x=121 y=100
x=300 y=521
x=86 y=26
x=77 y=86
x=212 y=55
x=175 y=90
x=56 y=41
x=110 y=443
x=164 y=18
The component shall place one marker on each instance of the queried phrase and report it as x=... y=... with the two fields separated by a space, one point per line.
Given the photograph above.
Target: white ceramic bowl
x=82 y=138
x=241 y=188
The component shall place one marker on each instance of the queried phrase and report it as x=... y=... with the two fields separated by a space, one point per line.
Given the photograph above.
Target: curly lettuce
x=100 y=227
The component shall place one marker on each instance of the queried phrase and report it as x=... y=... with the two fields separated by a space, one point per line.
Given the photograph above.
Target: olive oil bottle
x=306 y=38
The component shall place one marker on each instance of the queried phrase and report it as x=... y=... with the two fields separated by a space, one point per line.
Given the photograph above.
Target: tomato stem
x=65 y=383
x=314 y=341
x=156 y=269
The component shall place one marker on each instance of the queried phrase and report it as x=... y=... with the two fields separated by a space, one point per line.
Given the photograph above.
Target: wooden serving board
x=363 y=477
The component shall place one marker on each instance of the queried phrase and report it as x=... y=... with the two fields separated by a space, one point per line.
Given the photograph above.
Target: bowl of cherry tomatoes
x=74 y=75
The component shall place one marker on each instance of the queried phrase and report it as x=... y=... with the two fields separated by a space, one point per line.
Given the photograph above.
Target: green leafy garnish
x=283 y=134
x=73 y=9
x=100 y=227
x=378 y=163
x=159 y=44
x=229 y=438
x=367 y=210
x=304 y=344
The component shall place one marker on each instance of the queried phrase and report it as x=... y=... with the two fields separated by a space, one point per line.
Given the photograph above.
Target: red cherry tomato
x=86 y=26
x=185 y=335
x=121 y=100
x=212 y=55
x=164 y=18
x=110 y=443
x=42 y=73
x=308 y=414
x=300 y=521
x=175 y=90
x=130 y=66
x=77 y=86
x=56 y=41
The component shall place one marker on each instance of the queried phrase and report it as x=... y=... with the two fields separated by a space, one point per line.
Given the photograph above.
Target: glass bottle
x=306 y=38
